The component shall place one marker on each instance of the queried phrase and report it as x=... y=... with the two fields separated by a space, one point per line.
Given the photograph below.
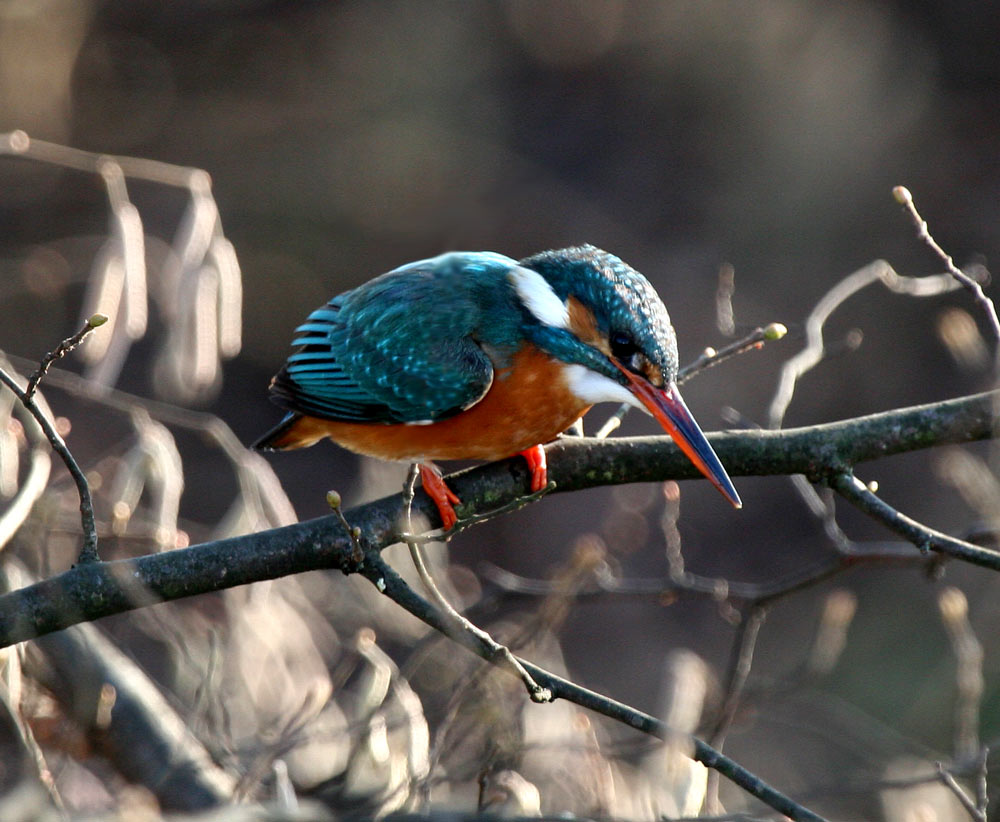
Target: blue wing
x=400 y=348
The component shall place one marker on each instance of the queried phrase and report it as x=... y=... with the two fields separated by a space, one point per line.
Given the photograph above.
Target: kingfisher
x=475 y=355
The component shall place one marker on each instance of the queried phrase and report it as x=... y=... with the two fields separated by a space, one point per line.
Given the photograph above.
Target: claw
x=442 y=496
x=535 y=457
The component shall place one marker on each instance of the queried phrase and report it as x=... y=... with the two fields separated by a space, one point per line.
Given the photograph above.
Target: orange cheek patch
x=653 y=373
x=583 y=324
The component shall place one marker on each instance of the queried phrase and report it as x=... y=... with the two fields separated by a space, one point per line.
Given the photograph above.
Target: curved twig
x=496 y=650
x=926 y=539
x=905 y=198
x=813 y=353
x=88 y=552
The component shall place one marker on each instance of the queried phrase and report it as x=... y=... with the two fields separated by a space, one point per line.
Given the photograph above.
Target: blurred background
x=696 y=140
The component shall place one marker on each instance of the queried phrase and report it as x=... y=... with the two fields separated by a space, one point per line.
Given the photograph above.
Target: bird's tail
x=282 y=437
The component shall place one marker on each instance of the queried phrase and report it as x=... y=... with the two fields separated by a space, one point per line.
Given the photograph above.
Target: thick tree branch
x=93 y=590
x=815 y=450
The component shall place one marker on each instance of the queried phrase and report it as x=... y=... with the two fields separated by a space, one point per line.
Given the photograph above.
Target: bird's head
x=604 y=320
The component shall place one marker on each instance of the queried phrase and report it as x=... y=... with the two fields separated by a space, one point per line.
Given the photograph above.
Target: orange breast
x=529 y=403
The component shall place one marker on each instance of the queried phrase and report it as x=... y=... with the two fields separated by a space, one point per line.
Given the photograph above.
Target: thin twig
x=333 y=499
x=736 y=679
x=88 y=552
x=61 y=350
x=905 y=198
x=924 y=538
x=612 y=423
x=416 y=551
x=751 y=342
x=951 y=783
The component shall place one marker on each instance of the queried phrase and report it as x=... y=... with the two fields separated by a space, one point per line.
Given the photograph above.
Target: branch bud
x=775 y=331
x=97 y=320
x=902 y=195
x=333 y=500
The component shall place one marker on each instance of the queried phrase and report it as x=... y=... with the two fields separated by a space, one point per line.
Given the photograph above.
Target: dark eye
x=622 y=347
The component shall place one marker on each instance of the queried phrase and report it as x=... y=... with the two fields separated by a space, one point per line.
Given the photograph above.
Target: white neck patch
x=539 y=298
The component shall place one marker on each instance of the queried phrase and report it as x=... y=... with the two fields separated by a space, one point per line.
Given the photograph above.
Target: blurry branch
x=736 y=678
x=126 y=716
x=394 y=587
x=261 y=503
x=88 y=552
x=18 y=143
x=198 y=290
x=40 y=462
x=968 y=651
x=749 y=593
x=725 y=316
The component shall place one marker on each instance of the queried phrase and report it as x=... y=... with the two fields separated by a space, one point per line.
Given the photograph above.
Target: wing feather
x=400 y=348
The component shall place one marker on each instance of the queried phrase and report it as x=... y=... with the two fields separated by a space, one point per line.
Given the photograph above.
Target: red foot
x=538 y=467
x=440 y=493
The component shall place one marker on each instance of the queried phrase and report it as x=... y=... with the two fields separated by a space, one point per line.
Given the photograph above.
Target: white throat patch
x=594 y=388
x=539 y=298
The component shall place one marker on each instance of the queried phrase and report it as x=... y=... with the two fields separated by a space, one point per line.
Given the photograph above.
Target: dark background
x=344 y=139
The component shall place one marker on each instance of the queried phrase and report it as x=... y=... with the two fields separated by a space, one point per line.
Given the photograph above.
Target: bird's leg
x=441 y=494
x=535 y=457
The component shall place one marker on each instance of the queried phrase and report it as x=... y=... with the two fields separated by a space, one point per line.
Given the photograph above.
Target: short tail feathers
x=283 y=436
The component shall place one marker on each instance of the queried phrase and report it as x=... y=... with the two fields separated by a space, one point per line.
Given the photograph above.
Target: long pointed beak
x=668 y=408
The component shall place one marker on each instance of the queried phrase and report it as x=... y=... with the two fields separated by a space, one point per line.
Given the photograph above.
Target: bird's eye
x=623 y=348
